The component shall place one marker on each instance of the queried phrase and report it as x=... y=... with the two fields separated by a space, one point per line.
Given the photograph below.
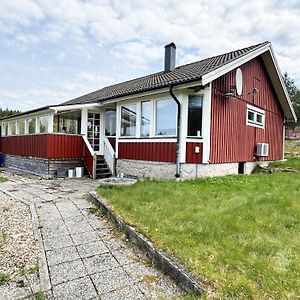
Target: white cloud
x=135 y=31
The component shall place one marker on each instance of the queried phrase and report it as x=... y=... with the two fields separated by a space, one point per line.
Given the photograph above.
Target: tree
x=7 y=112
x=293 y=92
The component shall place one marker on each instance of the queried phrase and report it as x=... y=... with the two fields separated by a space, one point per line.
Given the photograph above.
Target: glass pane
x=21 y=125
x=251 y=115
x=128 y=120
x=145 y=118
x=195 y=115
x=259 y=118
x=13 y=128
x=5 y=129
x=110 y=122
x=43 y=124
x=31 y=125
x=166 y=114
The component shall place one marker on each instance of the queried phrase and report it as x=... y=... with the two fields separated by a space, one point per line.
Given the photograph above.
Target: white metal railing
x=91 y=150
x=109 y=155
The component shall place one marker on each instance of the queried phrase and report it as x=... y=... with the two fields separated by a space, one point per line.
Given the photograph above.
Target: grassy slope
x=241 y=233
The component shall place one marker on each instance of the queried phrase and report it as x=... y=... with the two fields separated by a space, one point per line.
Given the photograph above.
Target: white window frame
x=256 y=111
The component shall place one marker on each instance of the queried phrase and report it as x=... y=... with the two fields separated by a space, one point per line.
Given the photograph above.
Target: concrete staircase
x=102 y=169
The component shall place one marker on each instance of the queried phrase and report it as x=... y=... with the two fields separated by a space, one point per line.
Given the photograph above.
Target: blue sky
x=52 y=51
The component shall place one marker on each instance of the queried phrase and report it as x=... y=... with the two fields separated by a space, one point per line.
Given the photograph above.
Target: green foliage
x=293 y=92
x=3 y=278
x=39 y=296
x=2 y=179
x=239 y=234
x=7 y=112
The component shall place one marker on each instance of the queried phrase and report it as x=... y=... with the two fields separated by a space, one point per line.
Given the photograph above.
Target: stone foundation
x=40 y=166
x=161 y=170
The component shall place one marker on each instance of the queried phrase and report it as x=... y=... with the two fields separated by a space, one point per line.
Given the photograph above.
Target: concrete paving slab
x=90 y=249
x=85 y=237
x=111 y=280
x=100 y=263
x=67 y=271
x=58 y=256
x=57 y=242
x=129 y=293
x=81 y=288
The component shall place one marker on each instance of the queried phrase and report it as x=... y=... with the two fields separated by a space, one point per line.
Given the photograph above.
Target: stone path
x=85 y=257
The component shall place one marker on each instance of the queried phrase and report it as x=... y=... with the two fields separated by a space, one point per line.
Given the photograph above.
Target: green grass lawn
x=239 y=234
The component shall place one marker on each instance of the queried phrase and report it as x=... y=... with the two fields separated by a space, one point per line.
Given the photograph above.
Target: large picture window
x=166 y=114
x=128 y=120
x=195 y=115
x=145 y=118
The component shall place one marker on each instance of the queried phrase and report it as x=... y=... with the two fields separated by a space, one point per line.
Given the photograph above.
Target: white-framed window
x=166 y=116
x=128 y=120
x=146 y=111
x=43 y=124
x=195 y=108
x=21 y=126
x=5 y=129
x=255 y=116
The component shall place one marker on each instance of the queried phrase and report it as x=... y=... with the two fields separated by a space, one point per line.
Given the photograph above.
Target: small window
x=255 y=116
x=110 y=122
x=195 y=116
x=128 y=120
x=166 y=115
x=145 y=118
x=43 y=124
x=31 y=125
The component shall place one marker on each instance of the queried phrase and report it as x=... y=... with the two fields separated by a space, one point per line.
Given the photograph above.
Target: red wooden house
x=221 y=115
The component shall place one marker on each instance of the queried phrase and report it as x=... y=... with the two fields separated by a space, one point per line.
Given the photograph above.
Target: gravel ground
x=18 y=248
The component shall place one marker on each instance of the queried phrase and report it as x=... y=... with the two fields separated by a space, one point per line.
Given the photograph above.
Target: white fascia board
x=75 y=106
x=176 y=87
x=279 y=74
x=209 y=77
x=26 y=116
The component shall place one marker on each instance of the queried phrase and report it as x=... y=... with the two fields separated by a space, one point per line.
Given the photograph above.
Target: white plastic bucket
x=79 y=171
x=71 y=173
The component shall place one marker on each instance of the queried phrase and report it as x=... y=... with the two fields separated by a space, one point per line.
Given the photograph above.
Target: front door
x=93 y=131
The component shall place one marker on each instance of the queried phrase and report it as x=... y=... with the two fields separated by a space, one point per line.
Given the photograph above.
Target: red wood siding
x=64 y=146
x=191 y=156
x=50 y=146
x=231 y=139
x=88 y=160
x=112 y=141
x=151 y=151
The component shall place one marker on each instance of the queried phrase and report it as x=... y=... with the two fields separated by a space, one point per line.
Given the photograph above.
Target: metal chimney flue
x=170 y=57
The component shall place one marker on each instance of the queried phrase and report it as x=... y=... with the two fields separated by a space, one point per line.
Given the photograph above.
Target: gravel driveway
x=84 y=256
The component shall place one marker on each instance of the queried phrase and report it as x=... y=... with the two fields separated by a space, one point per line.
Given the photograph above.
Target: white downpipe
x=109 y=155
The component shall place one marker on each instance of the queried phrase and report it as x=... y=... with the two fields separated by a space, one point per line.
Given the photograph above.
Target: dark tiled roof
x=181 y=74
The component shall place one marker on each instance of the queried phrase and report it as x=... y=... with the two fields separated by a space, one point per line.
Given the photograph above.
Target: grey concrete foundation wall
x=146 y=169
x=40 y=166
x=161 y=170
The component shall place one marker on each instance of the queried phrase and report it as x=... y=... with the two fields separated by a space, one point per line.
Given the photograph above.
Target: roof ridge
x=225 y=53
